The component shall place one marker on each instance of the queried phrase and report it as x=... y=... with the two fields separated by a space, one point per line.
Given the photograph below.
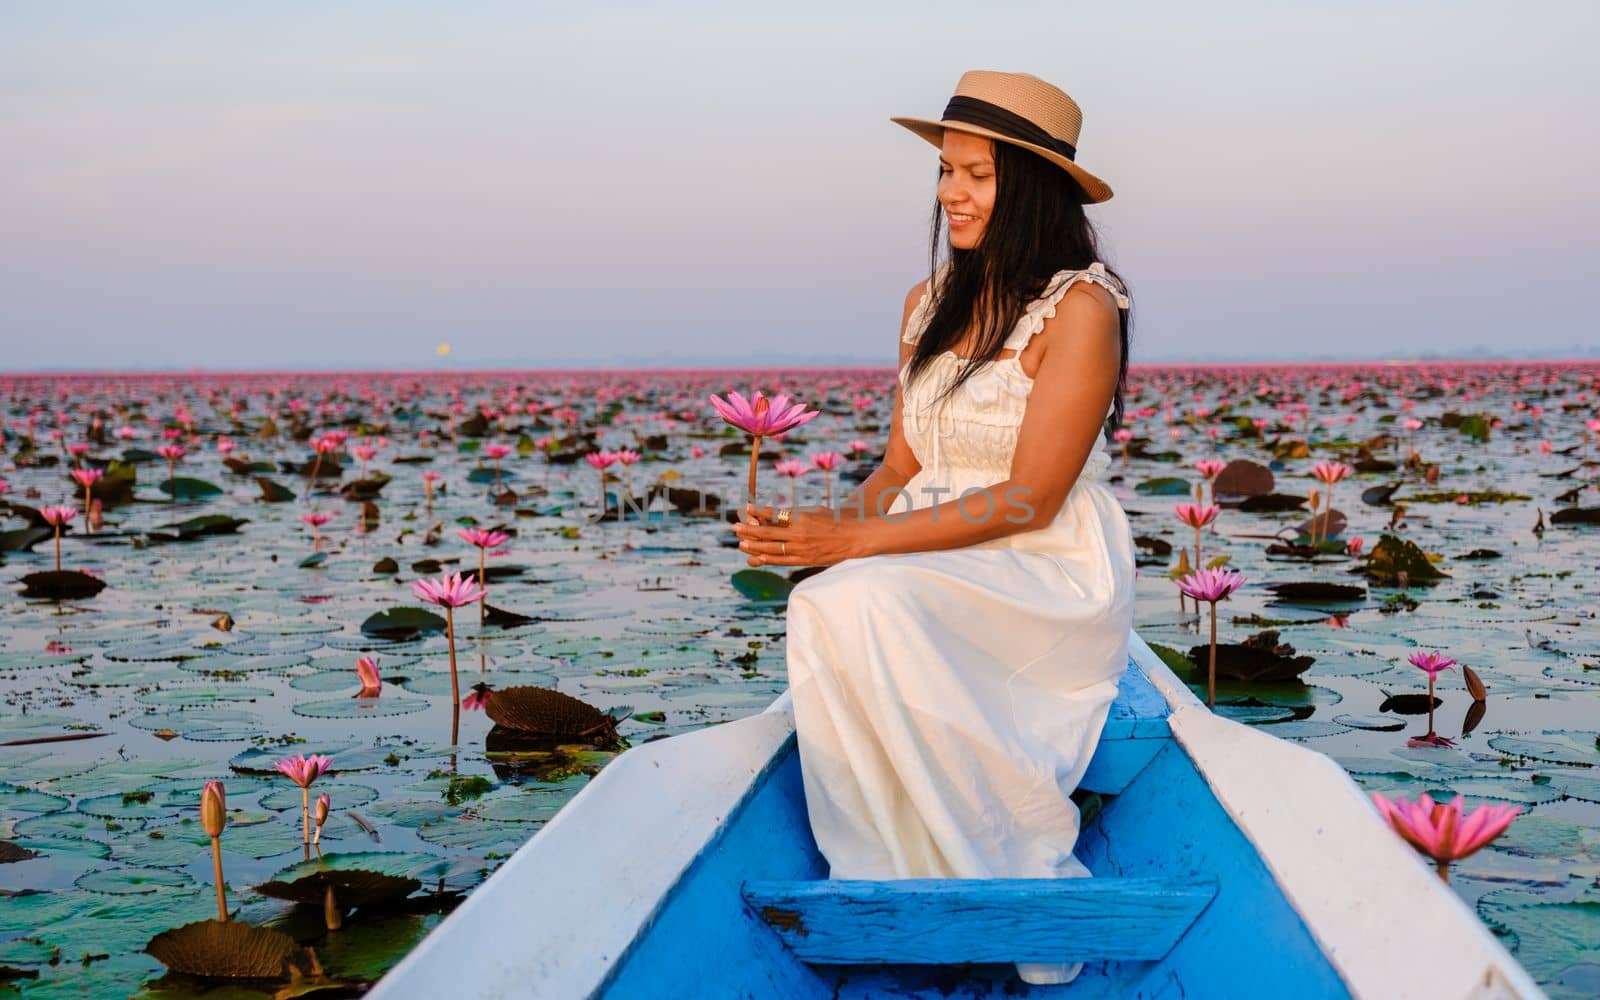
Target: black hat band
x=1007 y=123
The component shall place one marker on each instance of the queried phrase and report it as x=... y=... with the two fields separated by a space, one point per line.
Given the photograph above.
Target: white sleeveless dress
x=947 y=702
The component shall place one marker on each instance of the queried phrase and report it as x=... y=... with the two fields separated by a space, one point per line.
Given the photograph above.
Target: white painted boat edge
x=1344 y=877
x=534 y=929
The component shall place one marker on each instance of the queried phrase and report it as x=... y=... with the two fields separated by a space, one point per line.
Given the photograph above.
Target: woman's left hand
x=812 y=538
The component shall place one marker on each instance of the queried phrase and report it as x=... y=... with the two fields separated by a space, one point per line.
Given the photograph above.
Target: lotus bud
x=321 y=815
x=213 y=808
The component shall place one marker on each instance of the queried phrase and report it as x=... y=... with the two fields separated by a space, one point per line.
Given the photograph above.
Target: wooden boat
x=1226 y=863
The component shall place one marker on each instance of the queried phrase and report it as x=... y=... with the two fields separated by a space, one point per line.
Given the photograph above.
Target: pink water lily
x=1211 y=585
x=303 y=771
x=367 y=673
x=1433 y=663
x=1443 y=831
x=1327 y=473
x=1196 y=516
x=450 y=592
x=479 y=697
x=485 y=539
x=627 y=458
x=827 y=461
x=761 y=417
x=601 y=461
x=87 y=478
x=58 y=516
x=792 y=468
x=316 y=519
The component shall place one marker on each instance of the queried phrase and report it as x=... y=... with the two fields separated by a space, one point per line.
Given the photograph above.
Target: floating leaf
x=221 y=949
x=404 y=622
x=184 y=488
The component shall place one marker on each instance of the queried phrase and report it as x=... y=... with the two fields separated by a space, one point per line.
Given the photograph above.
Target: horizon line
x=817 y=366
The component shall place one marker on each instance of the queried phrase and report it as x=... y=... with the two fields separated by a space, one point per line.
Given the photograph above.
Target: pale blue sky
x=348 y=184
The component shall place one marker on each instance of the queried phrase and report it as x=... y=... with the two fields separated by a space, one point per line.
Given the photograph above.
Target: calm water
x=642 y=620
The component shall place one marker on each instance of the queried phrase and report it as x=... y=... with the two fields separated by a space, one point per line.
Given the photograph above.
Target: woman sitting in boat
x=953 y=665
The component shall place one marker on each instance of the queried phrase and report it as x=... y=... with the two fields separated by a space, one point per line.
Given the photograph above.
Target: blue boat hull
x=706 y=942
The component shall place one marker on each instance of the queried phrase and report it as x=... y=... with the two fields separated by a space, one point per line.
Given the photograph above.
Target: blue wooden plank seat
x=949 y=921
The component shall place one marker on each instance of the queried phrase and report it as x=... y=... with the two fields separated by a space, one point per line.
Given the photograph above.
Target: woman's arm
x=1073 y=388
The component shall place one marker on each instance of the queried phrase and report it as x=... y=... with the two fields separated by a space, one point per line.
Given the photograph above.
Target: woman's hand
x=812 y=538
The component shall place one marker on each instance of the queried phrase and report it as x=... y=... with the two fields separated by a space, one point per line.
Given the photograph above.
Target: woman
x=952 y=667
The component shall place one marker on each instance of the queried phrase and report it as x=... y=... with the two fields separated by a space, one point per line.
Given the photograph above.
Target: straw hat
x=1021 y=109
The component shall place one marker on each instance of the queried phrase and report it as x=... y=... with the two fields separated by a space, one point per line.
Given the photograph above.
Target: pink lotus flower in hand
x=451 y=591
x=761 y=416
x=371 y=683
x=1440 y=830
x=304 y=770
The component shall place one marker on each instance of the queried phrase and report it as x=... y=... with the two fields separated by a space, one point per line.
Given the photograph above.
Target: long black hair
x=1037 y=228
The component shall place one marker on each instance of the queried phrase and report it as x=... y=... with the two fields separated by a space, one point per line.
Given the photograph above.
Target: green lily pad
x=359 y=708
x=761 y=585
x=1555 y=747
x=403 y=622
x=185 y=488
x=1552 y=937
x=130 y=881
x=1164 y=486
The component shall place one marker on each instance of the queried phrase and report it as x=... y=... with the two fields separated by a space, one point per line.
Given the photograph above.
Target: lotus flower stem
x=455 y=688
x=755 y=451
x=311 y=480
x=1211 y=668
x=483 y=581
x=58 y=546
x=213 y=817
x=305 y=813
x=216 y=876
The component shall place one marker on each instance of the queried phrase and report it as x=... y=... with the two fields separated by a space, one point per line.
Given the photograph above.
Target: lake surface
x=644 y=620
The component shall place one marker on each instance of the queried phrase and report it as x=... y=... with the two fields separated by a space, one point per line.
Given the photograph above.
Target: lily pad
x=186 y=488
x=360 y=708
x=403 y=623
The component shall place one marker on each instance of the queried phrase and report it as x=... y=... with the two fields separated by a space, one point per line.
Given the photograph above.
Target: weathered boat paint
x=635 y=889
